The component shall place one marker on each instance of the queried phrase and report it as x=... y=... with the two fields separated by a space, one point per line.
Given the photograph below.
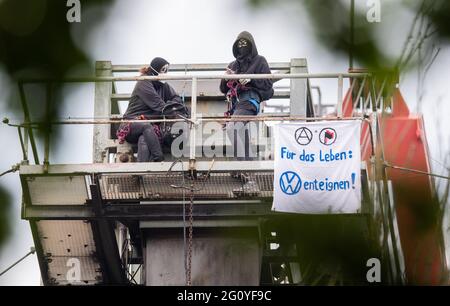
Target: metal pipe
x=348 y=97
x=380 y=178
x=381 y=91
x=319 y=97
x=198 y=120
x=22 y=145
x=48 y=126
x=192 y=127
x=373 y=96
x=359 y=95
x=26 y=114
x=352 y=33
x=199 y=77
x=386 y=199
x=340 y=95
x=25 y=142
x=195 y=67
x=368 y=99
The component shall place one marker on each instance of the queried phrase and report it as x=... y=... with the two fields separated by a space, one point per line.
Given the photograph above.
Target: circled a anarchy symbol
x=303 y=136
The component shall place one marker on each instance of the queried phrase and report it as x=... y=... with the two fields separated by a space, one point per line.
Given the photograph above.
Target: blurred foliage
x=5 y=201
x=331 y=23
x=36 y=41
x=439 y=15
x=331 y=249
x=430 y=26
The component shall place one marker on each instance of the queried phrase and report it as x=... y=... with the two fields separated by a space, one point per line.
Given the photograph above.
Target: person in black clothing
x=245 y=95
x=147 y=102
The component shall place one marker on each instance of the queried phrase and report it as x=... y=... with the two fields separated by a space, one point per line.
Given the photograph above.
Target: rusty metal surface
x=66 y=244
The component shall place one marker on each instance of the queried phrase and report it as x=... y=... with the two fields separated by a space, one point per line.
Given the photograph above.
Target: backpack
x=172 y=110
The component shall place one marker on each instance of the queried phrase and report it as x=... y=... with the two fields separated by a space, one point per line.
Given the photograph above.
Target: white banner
x=317 y=167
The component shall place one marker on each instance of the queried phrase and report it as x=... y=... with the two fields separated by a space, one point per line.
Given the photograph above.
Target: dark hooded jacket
x=148 y=99
x=252 y=64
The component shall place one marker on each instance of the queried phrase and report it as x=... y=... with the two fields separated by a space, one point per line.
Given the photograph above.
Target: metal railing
x=368 y=99
x=194 y=120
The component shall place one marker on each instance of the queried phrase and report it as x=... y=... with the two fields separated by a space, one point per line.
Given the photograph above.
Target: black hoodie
x=252 y=64
x=149 y=98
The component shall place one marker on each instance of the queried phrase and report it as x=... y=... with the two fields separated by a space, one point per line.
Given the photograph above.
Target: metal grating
x=66 y=244
x=168 y=186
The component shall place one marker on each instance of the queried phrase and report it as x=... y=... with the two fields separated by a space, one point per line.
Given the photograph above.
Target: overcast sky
x=202 y=31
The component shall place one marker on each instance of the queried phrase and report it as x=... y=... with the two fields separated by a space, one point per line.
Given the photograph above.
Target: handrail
x=197 y=121
x=194 y=121
x=196 y=67
x=276 y=76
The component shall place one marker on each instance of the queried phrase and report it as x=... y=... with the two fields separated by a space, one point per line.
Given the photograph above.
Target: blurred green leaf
x=5 y=205
x=36 y=41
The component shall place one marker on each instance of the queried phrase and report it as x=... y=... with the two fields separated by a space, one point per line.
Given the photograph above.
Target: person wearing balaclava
x=245 y=95
x=147 y=102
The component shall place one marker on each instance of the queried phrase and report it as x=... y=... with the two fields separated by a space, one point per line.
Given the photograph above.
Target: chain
x=191 y=226
x=188 y=253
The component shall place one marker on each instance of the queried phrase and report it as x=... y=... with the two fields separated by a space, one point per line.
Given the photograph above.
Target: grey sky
x=197 y=32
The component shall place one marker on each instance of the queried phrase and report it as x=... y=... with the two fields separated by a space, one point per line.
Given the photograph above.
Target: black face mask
x=244 y=51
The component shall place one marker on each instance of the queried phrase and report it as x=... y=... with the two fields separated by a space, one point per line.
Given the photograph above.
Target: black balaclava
x=246 y=52
x=156 y=65
x=244 y=48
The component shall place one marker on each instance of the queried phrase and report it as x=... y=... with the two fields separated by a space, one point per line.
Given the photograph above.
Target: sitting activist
x=245 y=95
x=148 y=101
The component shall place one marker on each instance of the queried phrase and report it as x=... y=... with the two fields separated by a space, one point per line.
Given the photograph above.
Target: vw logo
x=290 y=183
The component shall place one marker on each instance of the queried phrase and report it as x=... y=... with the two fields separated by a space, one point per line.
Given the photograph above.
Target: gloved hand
x=228 y=96
x=244 y=81
x=228 y=71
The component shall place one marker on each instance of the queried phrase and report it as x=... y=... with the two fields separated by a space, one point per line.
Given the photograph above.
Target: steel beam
x=42 y=260
x=129 y=168
x=102 y=109
x=162 y=211
x=278 y=94
x=105 y=242
x=152 y=224
x=299 y=88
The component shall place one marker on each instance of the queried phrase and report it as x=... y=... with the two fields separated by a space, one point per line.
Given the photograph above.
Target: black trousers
x=149 y=147
x=239 y=132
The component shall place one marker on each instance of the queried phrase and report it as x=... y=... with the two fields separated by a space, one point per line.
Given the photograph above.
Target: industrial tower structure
x=188 y=221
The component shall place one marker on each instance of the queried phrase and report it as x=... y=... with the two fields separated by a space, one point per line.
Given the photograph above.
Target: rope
x=32 y=251
x=13 y=169
x=416 y=171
